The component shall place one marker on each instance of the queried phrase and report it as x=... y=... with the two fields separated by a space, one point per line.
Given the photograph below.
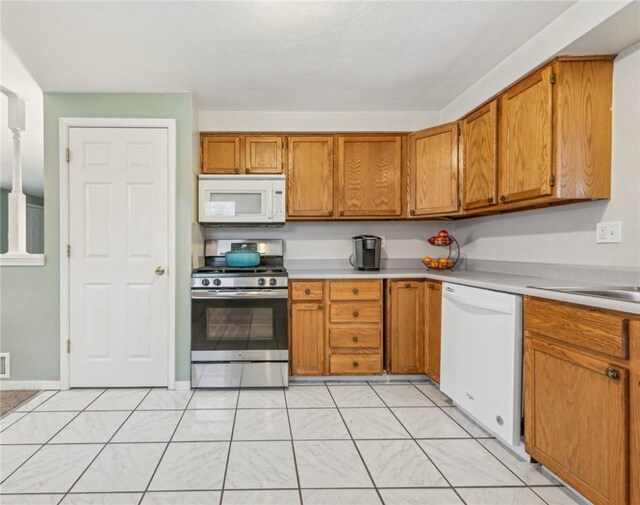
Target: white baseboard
x=183 y=385
x=6 y=385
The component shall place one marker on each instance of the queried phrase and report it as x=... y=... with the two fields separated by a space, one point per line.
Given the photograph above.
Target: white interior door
x=118 y=231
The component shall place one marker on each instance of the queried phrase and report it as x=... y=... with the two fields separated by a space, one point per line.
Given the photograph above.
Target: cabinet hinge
x=68 y=346
x=552 y=79
x=552 y=181
x=67 y=154
x=68 y=251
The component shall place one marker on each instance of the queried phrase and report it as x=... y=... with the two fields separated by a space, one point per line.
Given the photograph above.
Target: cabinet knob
x=412 y=212
x=407 y=285
x=247 y=170
x=236 y=170
x=355 y=339
x=612 y=373
x=503 y=198
x=356 y=313
x=330 y=213
x=490 y=199
x=356 y=364
x=307 y=291
x=319 y=307
x=341 y=213
x=355 y=291
x=432 y=286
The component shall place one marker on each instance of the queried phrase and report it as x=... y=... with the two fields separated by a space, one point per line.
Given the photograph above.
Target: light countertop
x=507 y=283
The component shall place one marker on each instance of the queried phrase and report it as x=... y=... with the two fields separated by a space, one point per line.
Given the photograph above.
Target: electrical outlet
x=609 y=233
x=383 y=242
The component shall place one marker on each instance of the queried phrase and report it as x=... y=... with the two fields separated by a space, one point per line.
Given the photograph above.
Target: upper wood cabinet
x=310 y=177
x=433 y=175
x=405 y=331
x=479 y=157
x=239 y=154
x=432 y=323
x=220 y=155
x=369 y=176
x=263 y=155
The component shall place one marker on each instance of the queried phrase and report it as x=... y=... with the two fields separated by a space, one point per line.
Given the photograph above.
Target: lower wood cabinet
x=405 y=332
x=581 y=419
x=432 y=323
x=307 y=338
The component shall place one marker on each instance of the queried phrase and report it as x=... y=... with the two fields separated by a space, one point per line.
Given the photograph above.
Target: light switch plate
x=609 y=233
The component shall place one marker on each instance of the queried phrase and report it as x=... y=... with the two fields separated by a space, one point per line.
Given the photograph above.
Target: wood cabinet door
x=577 y=419
x=310 y=177
x=220 y=155
x=479 y=133
x=433 y=176
x=526 y=132
x=370 y=176
x=307 y=339
x=263 y=155
x=406 y=332
x=432 y=323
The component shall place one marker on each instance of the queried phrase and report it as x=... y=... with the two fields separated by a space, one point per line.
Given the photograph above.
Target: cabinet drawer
x=363 y=312
x=354 y=337
x=354 y=290
x=307 y=290
x=594 y=329
x=355 y=364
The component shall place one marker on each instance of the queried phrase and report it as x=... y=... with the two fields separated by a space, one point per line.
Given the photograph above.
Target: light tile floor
x=315 y=444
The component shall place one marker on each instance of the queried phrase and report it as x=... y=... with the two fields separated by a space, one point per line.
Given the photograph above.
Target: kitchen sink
x=623 y=293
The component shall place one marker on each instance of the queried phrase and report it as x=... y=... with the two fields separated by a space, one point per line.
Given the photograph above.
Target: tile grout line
x=50 y=438
x=419 y=446
x=104 y=445
x=164 y=451
x=293 y=448
x=375 y=486
x=226 y=464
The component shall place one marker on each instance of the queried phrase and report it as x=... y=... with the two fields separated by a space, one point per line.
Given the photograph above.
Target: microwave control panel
x=278 y=205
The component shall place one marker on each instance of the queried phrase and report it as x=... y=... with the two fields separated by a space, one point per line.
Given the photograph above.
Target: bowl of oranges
x=437 y=263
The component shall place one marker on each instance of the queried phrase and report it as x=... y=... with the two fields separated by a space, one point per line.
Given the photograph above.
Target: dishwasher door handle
x=479 y=303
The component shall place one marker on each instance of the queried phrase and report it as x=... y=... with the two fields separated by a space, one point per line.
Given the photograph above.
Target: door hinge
x=552 y=79
x=552 y=181
x=67 y=155
x=68 y=251
x=68 y=346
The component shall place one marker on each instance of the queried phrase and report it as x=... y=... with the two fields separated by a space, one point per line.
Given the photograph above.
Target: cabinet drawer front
x=354 y=290
x=363 y=312
x=355 y=364
x=303 y=290
x=355 y=337
x=594 y=329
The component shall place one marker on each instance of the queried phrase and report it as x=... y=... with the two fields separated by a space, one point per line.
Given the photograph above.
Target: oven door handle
x=234 y=295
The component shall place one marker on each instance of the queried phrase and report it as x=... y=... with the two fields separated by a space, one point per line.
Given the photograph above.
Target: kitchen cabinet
x=479 y=157
x=307 y=328
x=310 y=177
x=220 y=154
x=240 y=154
x=432 y=322
x=433 y=174
x=579 y=400
x=405 y=327
x=369 y=176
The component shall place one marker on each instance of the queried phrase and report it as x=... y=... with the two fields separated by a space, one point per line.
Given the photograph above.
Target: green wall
x=4 y=220
x=29 y=296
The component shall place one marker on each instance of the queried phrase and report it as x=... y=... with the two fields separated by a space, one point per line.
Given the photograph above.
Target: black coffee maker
x=366 y=252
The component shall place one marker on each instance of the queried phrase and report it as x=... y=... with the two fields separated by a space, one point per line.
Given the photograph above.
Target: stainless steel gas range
x=239 y=334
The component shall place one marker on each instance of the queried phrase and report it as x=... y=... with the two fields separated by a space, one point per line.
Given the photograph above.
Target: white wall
x=567 y=234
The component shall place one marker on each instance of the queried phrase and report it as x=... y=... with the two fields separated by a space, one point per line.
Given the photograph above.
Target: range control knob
x=205 y=282
x=217 y=282
x=272 y=282
x=261 y=282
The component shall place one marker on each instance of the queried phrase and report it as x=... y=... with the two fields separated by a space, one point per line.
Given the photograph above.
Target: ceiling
x=280 y=56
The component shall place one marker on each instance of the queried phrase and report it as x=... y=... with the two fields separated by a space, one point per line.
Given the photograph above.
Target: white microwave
x=237 y=200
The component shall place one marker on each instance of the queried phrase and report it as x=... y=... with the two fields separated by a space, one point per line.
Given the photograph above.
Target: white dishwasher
x=481 y=361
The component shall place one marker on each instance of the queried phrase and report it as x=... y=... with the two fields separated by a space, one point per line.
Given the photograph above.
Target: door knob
x=160 y=271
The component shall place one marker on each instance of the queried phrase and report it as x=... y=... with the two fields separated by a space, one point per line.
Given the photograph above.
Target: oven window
x=239 y=324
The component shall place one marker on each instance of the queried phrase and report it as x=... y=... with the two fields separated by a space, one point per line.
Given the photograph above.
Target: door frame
x=65 y=124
